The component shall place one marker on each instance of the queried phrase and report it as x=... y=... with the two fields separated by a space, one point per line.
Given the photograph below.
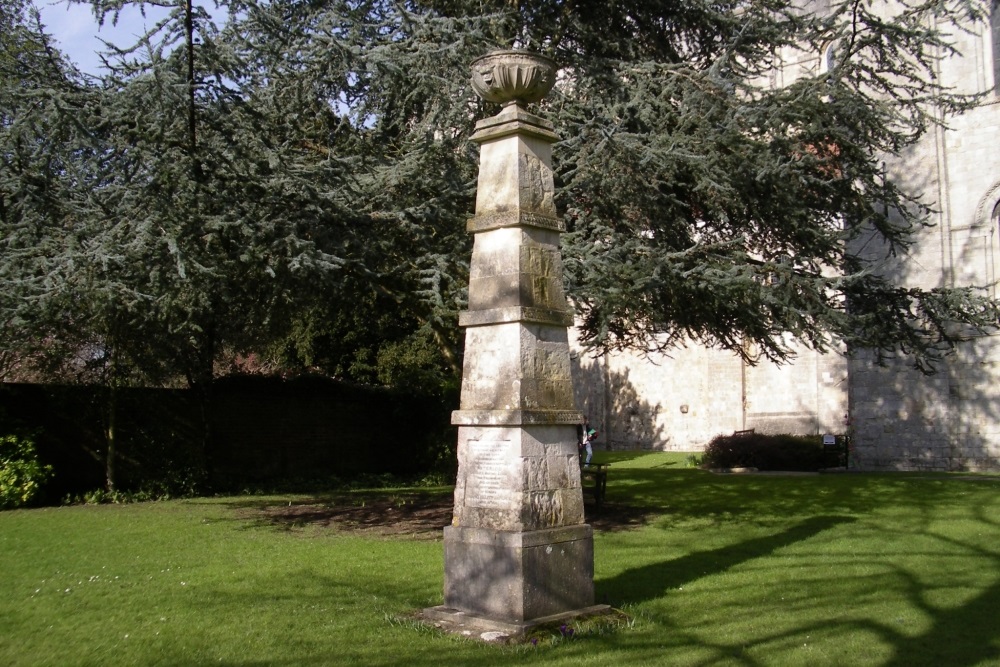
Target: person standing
x=585 y=437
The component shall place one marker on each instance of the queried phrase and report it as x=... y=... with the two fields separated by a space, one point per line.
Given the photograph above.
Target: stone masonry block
x=515 y=174
x=519 y=576
x=518 y=478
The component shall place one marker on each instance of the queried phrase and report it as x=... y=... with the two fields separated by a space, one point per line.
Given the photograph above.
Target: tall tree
x=411 y=178
x=57 y=319
x=227 y=199
x=147 y=223
x=43 y=130
x=230 y=189
x=705 y=204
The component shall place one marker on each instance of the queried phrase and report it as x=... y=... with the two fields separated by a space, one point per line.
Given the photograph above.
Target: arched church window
x=831 y=56
x=995 y=218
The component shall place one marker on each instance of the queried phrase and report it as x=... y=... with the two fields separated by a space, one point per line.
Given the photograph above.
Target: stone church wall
x=899 y=419
x=903 y=420
x=680 y=402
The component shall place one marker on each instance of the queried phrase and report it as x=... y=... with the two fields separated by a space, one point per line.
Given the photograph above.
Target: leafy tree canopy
x=706 y=202
x=282 y=177
x=709 y=203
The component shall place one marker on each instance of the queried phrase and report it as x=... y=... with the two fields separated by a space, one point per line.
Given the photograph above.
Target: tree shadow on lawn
x=413 y=515
x=635 y=498
x=652 y=581
x=968 y=634
x=965 y=634
x=962 y=635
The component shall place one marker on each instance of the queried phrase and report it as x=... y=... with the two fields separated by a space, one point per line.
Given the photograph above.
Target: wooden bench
x=594 y=479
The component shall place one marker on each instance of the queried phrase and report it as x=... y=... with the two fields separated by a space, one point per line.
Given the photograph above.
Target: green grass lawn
x=897 y=570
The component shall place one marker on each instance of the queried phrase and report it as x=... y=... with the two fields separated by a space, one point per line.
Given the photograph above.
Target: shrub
x=21 y=473
x=769 y=452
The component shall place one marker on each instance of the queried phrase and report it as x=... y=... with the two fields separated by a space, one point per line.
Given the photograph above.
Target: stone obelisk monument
x=518 y=552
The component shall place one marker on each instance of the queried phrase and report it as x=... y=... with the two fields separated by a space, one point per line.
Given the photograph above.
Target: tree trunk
x=110 y=435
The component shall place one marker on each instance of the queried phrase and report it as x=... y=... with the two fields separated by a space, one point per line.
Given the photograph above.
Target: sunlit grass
x=742 y=570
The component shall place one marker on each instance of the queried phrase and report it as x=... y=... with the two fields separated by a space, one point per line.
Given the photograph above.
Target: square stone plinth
x=518 y=576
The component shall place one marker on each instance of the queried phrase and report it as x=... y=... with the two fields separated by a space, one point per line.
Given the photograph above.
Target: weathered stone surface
x=680 y=402
x=518 y=549
x=514 y=417
x=498 y=219
x=512 y=76
x=515 y=172
x=514 y=120
x=478 y=318
x=518 y=575
x=517 y=366
x=518 y=478
x=516 y=267
x=903 y=420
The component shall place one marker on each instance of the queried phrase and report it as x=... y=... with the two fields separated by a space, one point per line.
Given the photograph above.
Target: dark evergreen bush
x=770 y=452
x=21 y=473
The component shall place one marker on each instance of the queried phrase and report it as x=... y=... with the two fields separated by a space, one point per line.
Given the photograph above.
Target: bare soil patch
x=416 y=516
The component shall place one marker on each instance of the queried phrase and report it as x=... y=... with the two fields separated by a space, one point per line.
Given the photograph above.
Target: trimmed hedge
x=246 y=432
x=771 y=452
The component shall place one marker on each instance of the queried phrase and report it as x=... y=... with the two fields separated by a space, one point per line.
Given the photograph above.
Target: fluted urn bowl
x=513 y=77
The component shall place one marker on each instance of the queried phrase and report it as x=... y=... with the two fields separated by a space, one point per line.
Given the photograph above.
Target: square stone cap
x=508 y=314
x=514 y=113
x=485 y=222
x=514 y=417
x=518 y=539
x=514 y=120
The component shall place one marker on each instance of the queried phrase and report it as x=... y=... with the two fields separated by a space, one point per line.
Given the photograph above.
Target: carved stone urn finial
x=513 y=77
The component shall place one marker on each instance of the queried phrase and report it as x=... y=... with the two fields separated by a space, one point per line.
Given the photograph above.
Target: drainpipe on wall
x=743 y=390
x=606 y=372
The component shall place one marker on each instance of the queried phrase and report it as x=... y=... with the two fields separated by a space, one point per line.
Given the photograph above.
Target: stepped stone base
x=454 y=620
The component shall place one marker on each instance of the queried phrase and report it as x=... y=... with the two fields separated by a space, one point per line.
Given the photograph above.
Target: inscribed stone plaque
x=487 y=483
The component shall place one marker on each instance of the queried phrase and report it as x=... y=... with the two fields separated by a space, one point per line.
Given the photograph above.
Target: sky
x=78 y=36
